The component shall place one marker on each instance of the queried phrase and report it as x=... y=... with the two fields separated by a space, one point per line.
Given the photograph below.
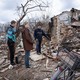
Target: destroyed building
x=65 y=25
x=62 y=25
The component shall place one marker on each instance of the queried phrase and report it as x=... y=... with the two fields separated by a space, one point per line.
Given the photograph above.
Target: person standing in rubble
x=27 y=43
x=38 y=34
x=11 y=39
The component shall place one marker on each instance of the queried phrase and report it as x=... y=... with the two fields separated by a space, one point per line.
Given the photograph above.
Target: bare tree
x=43 y=22
x=30 y=6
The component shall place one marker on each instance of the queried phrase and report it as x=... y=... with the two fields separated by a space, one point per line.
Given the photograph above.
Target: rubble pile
x=66 y=30
x=39 y=69
x=72 y=41
x=65 y=35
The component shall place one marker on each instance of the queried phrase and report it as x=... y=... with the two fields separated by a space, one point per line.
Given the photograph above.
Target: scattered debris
x=36 y=57
x=65 y=34
x=3 y=70
x=6 y=78
x=46 y=79
x=2 y=60
x=51 y=57
x=0 y=78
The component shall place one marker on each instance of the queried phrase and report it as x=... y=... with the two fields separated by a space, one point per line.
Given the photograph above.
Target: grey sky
x=67 y=4
x=8 y=8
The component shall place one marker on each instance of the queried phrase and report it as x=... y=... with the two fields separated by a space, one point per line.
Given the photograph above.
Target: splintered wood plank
x=3 y=70
x=36 y=57
x=51 y=57
x=33 y=52
x=2 y=61
x=19 y=50
x=0 y=51
x=46 y=79
x=1 y=78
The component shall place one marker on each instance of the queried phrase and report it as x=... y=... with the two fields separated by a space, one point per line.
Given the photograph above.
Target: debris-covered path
x=38 y=71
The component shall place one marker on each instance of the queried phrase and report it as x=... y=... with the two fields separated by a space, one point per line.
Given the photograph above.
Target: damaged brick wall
x=62 y=25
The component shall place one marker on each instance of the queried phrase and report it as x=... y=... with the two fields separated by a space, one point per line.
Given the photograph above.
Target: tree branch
x=35 y=7
x=33 y=11
x=27 y=2
x=25 y=8
x=32 y=7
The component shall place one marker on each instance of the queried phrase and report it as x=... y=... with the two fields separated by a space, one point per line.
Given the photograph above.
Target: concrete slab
x=36 y=57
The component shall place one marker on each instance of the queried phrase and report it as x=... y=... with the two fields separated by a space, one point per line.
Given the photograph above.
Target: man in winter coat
x=38 y=34
x=11 y=39
x=27 y=43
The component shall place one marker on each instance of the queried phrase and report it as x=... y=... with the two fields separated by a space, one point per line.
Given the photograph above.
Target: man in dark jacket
x=11 y=39
x=38 y=34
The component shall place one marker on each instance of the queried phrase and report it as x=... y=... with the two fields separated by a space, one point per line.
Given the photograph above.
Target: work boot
x=39 y=53
x=27 y=66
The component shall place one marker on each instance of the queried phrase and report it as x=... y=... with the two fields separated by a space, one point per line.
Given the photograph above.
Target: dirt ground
x=38 y=71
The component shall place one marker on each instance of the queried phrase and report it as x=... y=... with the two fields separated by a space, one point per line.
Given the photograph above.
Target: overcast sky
x=8 y=8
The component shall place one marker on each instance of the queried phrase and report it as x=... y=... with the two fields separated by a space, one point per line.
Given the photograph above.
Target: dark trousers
x=38 y=46
x=11 y=46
